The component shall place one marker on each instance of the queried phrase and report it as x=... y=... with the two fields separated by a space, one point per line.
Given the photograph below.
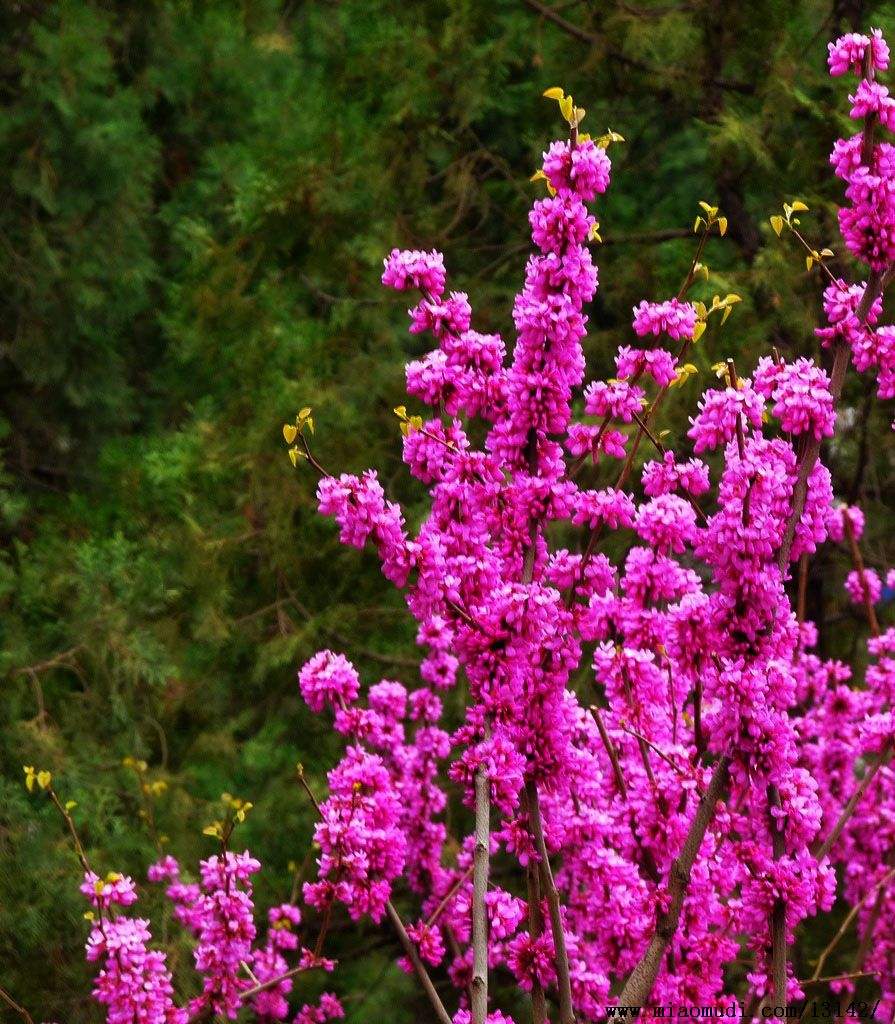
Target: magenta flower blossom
x=583 y=170
x=872 y=98
x=615 y=398
x=675 y=318
x=362 y=849
x=328 y=1008
x=660 y=364
x=328 y=679
x=856 y=586
x=608 y=507
x=836 y=522
x=847 y=53
x=719 y=412
x=415 y=269
x=667 y=523
x=801 y=395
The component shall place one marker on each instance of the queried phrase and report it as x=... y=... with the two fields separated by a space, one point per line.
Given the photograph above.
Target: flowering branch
x=640 y=982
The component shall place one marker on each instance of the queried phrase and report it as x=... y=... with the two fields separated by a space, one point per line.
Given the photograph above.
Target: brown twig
x=449 y=895
x=551 y=894
x=824 y=849
x=16 y=1007
x=858 y=563
x=779 y=950
x=843 y=928
x=612 y=752
x=801 y=600
x=418 y=966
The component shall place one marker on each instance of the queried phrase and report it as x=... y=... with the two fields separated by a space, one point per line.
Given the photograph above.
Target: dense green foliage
x=197 y=201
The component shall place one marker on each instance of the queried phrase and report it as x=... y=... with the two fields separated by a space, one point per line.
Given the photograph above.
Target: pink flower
x=719 y=411
x=847 y=53
x=616 y=398
x=328 y=679
x=610 y=507
x=801 y=395
x=583 y=170
x=675 y=318
x=412 y=268
x=871 y=586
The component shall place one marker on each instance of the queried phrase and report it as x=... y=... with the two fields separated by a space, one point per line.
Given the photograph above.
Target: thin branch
x=449 y=895
x=612 y=752
x=824 y=849
x=591 y=39
x=481 y=865
x=779 y=950
x=563 y=978
x=20 y=1010
x=851 y=976
x=418 y=966
x=843 y=928
x=858 y=563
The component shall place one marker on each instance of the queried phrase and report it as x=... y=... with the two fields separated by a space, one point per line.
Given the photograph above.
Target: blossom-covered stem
x=824 y=849
x=779 y=949
x=481 y=865
x=801 y=600
x=846 y=923
x=868 y=72
x=612 y=752
x=551 y=894
x=418 y=967
x=16 y=1007
x=409 y=948
x=640 y=982
x=858 y=562
x=876 y=281
x=647 y=861
x=663 y=391
x=535 y=928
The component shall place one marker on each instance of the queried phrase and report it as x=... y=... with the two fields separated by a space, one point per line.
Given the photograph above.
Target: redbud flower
x=847 y=53
x=675 y=318
x=328 y=679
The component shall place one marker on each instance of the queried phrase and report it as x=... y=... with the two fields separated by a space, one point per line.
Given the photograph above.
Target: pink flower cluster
x=362 y=848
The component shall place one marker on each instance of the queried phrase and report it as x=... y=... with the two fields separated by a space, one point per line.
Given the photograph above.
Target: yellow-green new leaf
x=777 y=224
x=567 y=108
x=554 y=93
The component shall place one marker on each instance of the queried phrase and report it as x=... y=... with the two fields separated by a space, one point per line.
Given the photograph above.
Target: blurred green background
x=197 y=197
